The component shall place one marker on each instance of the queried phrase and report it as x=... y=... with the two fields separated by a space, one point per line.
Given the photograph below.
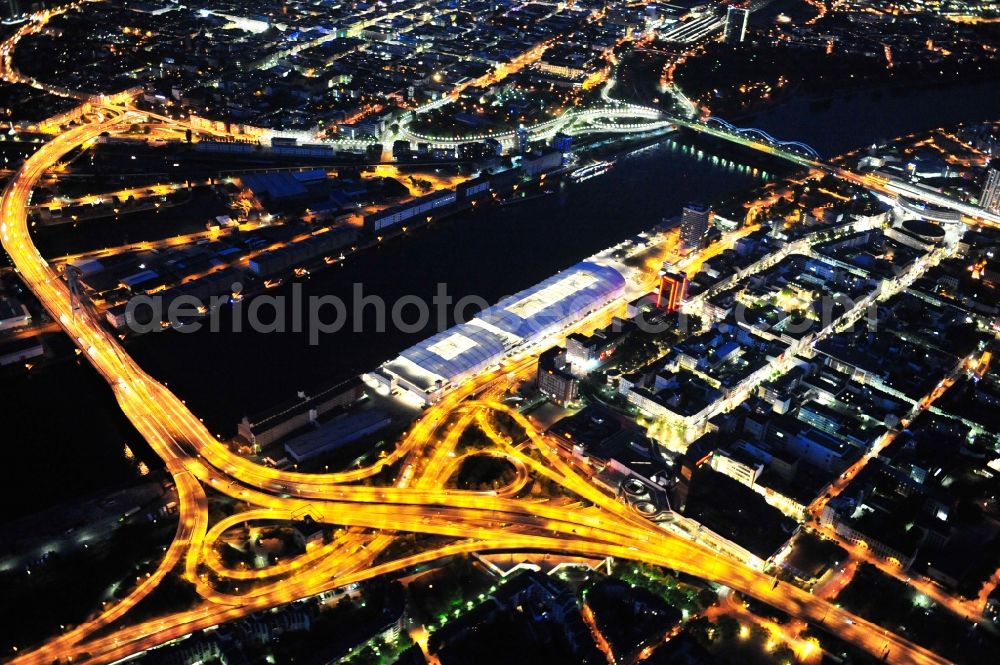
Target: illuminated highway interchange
x=585 y=521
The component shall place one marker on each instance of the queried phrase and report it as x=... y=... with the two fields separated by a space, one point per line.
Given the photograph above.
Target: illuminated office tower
x=694 y=225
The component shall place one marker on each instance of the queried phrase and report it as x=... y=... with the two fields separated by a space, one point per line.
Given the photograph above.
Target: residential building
x=554 y=379
x=694 y=225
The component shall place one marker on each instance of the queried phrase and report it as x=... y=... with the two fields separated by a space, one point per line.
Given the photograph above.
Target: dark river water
x=487 y=254
x=63 y=431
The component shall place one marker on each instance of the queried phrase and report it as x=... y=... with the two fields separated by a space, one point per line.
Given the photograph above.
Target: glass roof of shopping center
x=457 y=351
x=563 y=298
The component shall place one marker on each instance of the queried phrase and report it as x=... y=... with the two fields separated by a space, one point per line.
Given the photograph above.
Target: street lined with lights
x=596 y=525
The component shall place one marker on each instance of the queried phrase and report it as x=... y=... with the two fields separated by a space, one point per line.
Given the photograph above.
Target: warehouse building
x=414 y=209
x=265 y=428
x=334 y=434
x=301 y=253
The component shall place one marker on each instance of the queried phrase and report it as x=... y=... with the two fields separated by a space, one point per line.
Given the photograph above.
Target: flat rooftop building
x=330 y=436
x=265 y=428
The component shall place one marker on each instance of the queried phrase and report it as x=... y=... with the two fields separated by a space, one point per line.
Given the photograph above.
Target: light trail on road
x=599 y=525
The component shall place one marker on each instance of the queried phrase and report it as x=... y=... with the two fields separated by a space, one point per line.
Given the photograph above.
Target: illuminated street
x=761 y=428
x=190 y=451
